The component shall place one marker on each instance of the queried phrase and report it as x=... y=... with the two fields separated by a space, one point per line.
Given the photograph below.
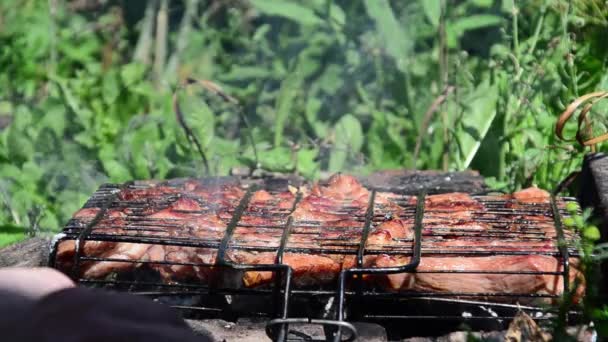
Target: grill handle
x=326 y=323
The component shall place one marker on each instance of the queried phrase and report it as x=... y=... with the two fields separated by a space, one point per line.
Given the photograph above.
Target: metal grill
x=509 y=224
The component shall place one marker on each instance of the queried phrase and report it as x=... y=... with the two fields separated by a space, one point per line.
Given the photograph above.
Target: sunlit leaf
x=289 y=10
x=284 y=103
x=432 y=10
x=348 y=140
x=477 y=118
x=396 y=40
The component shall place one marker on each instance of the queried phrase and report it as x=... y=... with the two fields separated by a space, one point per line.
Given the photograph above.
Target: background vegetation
x=325 y=85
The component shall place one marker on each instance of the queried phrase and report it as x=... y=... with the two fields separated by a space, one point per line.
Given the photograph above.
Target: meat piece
x=186 y=204
x=429 y=276
x=341 y=187
x=130 y=252
x=452 y=202
x=86 y=213
x=260 y=196
x=531 y=195
x=460 y=245
x=307 y=269
x=217 y=193
x=139 y=194
x=389 y=230
x=187 y=263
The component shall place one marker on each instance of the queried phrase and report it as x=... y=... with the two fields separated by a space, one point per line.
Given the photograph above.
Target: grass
x=11 y=234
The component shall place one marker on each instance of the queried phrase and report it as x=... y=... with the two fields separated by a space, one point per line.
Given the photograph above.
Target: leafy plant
x=324 y=85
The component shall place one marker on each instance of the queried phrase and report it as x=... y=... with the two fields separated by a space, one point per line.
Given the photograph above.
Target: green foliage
x=325 y=85
x=592 y=255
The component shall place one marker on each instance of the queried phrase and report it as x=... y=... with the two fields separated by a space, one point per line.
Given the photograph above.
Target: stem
x=8 y=206
x=144 y=42
x=53 y=35
x=162 y=22
x=241 y=112
x=443 y=82
x=538 y=28
x=515 y=13
x=182 y=38
x=188 y=131
x=570 y=56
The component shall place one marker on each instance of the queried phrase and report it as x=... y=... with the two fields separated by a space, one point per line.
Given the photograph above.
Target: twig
x=515 y=14
x=34 y=215
x=189 y=134
x=52 y=35
x=160 y=55
x=218 y=91
x=583 y=120
x=443 y=74
x=144 y=43
x=428 y=115
x=182 y=37
x=8 y=206
x=539 y=25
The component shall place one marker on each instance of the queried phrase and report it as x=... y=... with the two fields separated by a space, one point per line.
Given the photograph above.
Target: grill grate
x=510 y=225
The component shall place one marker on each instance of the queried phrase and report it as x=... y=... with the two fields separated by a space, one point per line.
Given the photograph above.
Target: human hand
x=34 y=282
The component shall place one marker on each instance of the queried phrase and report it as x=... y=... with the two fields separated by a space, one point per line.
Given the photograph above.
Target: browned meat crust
x=325 y=236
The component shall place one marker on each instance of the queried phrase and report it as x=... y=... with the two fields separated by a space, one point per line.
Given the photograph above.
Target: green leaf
x=18 y=142
x=483 y=3
x=348 y=139
x=55 y=119
x=115 y=169
x=572 y=207
x=432 y=10
x=312 y=111
x=132 y=73
x=592 y=233
x=110 y=88
x=455 y=29
x=9 y=171
x=474 y=22
x=396 y=40
x=278 y=159
x=307 y=164
x=479 y=114
x=242 y=73
x=84 y=115
x=198 y=116
x=289 y=10
x=284 y=104
x=117 y=172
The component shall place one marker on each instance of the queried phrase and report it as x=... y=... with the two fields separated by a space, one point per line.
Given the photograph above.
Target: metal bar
x=366 y=227
x=221 y=253
x=287 y=230
x=563 y=248
x=397 y=249
x=288 y=272
x=204 y=289
x=80 y=240
x=412 y=265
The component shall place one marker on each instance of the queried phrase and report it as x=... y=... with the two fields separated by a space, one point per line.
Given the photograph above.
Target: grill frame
x=278 y=328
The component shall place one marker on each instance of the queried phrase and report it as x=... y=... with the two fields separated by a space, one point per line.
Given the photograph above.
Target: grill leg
x=593 y=193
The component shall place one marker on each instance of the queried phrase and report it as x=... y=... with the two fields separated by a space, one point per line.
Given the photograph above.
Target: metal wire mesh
x=496 y=226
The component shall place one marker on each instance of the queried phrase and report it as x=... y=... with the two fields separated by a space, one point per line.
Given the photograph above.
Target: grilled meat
x=474 y=275
x=325 y=232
